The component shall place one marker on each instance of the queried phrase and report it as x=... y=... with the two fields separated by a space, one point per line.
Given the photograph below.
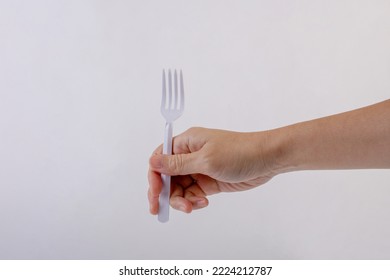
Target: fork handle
x=163 y=213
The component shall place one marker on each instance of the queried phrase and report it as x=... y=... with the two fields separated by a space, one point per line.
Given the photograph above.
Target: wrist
x=278 y=151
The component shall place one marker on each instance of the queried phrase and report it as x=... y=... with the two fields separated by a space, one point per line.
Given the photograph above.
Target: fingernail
x=185 y=209
x=200 y=202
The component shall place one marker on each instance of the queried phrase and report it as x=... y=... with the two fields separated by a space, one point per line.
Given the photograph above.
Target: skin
x=210 y=161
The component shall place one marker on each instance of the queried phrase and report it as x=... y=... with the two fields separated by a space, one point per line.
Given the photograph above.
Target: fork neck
x=167 y=148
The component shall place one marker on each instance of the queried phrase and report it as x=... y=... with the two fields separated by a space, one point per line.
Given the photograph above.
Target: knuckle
x=175 y=163
x=194 y=130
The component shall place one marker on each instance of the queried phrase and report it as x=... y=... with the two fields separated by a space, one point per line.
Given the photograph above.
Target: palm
x=190 y=189
x=242 y=186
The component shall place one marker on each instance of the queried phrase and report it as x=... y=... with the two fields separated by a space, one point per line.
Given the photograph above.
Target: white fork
x=172 y=107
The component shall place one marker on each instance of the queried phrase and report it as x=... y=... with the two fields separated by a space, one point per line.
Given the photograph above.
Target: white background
x=80 y=87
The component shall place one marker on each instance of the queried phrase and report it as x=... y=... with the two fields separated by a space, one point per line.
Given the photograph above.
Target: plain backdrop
x=80 y=90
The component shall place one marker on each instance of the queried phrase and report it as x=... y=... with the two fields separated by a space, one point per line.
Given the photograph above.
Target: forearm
x=351 y=140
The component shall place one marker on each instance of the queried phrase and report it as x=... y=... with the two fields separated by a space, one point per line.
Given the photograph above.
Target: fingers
x=186 y=160
x=179 y=164
x=155 y=187
x=188 y=199
x=177 y=200
x=187 y=155
x=196 y=196
x=182 y=198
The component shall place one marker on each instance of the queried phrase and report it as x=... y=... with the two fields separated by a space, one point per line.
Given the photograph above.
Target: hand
x=206 y=162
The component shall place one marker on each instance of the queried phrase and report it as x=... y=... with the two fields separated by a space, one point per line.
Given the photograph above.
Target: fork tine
x=176 y=93
x=163 y=91
x=169 y=89
x=181 y=91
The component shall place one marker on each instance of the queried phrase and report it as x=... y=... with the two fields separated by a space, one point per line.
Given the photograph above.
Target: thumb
x=179 y=164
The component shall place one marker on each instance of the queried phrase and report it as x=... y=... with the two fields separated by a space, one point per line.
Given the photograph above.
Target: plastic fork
x=172 y=107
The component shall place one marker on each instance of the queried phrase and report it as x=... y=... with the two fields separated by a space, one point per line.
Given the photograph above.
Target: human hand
x=206 y=162
x=209 y=161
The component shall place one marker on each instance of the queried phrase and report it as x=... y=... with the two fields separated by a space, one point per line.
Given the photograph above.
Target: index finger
x=155 y=187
